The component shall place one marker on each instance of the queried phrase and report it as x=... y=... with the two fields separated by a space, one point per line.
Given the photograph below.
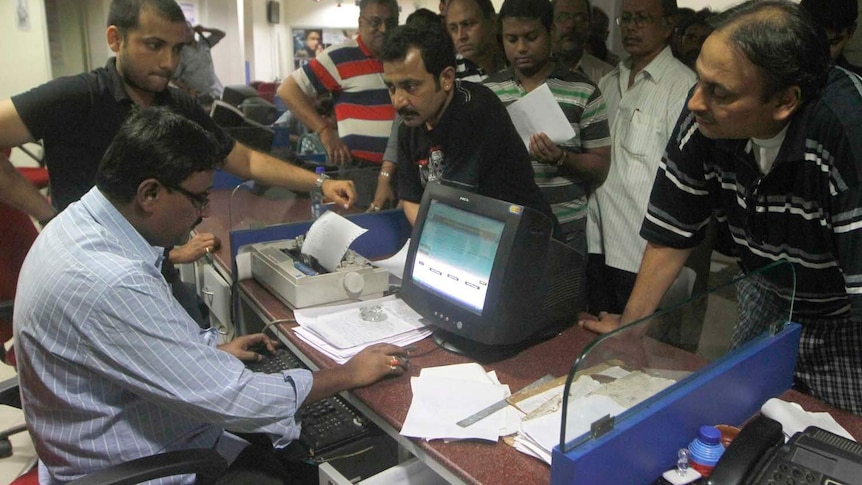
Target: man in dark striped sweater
x=771 y=144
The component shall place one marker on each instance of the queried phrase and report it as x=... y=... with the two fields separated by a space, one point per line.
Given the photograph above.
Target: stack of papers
x=342 y=331
x=444 y=395
x=589 y=401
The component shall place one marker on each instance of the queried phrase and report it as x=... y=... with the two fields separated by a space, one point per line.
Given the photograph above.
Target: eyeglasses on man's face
x=639 y=20
x=199 y=201
x=374 y=23
x=578 y=18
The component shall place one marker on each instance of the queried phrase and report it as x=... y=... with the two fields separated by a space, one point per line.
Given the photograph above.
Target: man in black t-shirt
x=76 y=117
x=455 y=133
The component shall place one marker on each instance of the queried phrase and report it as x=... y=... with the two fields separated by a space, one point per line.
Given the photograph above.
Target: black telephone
x=815 y=456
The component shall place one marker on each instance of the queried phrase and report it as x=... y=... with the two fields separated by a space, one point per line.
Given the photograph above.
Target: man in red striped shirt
x=352 y=72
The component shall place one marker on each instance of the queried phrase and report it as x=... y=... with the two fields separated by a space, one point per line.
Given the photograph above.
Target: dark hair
x=587 y=4
x=434 y=44
x=124 y=14
x=155 y=143
x=392 y=4
x=541 y=10
x=485 y=6
x=834 y=15
x=424 y=16
x=781 y=39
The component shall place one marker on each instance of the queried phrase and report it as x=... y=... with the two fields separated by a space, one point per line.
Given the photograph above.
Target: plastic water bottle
x=317 y=198
x=706 y=449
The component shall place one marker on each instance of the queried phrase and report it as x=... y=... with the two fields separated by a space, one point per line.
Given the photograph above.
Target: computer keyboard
x=326 y=424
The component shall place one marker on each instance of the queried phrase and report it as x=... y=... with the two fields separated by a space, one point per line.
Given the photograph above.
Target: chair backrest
x=18 y=235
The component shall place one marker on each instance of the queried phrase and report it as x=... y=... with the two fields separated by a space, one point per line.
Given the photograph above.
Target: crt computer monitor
x=487 y=272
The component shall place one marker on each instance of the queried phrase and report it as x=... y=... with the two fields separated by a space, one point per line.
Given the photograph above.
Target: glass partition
x=620 y=373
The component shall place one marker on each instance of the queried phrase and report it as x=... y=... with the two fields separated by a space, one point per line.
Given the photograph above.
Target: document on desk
x=539 y=112
x=444 y=395
x=329 y=238
x=341 y=331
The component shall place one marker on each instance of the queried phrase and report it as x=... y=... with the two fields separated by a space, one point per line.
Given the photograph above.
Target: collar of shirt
x=653 y=71
x=104 y=212
x=118 y=88
x=363 y=48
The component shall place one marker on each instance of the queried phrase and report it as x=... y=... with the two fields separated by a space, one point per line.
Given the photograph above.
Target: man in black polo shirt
x=453 y=132
x=770 y=145
x=76 y=117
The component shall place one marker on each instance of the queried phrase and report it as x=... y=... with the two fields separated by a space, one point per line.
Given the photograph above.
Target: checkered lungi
x=829 y=362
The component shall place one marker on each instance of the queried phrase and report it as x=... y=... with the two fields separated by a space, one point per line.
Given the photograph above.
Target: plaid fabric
x=829 y=362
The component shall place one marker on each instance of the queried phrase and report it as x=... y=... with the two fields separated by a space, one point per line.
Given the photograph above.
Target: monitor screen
x=456 y=253
x=486 y=271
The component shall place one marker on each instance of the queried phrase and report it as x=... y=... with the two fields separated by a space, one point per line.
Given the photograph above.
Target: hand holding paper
x=539 y=112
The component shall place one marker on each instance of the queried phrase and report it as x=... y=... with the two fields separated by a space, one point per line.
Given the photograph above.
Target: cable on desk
x=340 y=457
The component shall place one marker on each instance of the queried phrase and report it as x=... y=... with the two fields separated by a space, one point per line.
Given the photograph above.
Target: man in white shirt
x=645 y=94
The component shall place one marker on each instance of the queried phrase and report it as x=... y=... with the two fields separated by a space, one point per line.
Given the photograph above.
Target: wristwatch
x=318 y=184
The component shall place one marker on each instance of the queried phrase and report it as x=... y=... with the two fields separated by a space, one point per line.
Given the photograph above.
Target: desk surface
x=389 y=400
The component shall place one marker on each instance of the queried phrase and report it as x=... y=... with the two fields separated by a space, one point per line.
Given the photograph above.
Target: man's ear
x=148 y=194
x=114 y=37
x=786 y=103
x=447 y=78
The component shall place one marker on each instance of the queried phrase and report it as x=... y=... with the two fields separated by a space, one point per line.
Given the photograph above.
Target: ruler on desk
x=484 y=413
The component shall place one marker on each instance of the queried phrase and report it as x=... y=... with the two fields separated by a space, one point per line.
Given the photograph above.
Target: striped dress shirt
x=363 y=108
x=112 y=368
x=642 y=118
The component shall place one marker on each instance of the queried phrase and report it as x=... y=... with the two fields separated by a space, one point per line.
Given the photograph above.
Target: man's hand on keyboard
x=245 y=347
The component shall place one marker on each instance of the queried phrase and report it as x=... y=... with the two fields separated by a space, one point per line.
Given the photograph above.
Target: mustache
x=407 y=112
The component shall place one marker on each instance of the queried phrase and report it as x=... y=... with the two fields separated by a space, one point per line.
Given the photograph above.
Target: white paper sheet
x=395 y=264
x=794 y=418
x=539 y=112
x=349 y=328
x=329 y=237
x=440 y=402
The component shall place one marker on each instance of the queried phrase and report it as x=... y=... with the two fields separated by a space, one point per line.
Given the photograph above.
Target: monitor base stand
x=483 y=353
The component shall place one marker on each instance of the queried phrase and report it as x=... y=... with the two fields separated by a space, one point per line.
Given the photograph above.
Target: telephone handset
x=758 y=455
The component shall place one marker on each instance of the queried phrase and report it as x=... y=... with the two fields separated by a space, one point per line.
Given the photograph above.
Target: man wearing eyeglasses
x=352 y=72
x=644 y=95
x=104 y=351
x=838 y=18
x=571 y=31
x=769 y=143
x=76 y=117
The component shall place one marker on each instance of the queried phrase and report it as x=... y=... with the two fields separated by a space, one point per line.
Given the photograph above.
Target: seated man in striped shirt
x=352 y=72
x=769 y=143
x=111 y=367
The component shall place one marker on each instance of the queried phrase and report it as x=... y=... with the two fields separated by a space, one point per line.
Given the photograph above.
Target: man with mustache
x=105 y=353
x=568 y=172
x=453 y=132
x=571 y=32
x=76 y=117
x=644 y=96
x=769 y=143
x=351 y=71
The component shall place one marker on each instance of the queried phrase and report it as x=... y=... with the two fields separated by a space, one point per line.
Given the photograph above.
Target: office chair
x=19 y=234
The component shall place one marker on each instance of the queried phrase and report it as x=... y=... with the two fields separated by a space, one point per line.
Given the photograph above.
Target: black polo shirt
x=474 y=147
x=76 y=118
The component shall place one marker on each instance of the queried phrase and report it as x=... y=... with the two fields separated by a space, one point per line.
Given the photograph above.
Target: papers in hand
x=539 y=112
x=442 y=396
x=341 y=331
